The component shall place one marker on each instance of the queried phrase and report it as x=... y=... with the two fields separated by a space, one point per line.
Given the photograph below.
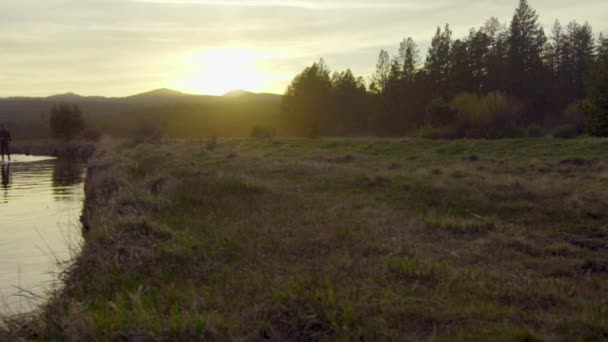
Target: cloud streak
x=119 y=47
x=310 y=5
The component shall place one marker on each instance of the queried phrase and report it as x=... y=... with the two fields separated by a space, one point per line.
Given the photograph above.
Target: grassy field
x=341 y=239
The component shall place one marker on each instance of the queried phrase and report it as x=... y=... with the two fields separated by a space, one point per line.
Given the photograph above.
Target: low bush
x=534 y=131
x=577 y=113
x=151 y=129
x=439 y=113
x=212 y=143
x=439 y=133
x=598 y=124
x=314 y=132
x=66 y=121
x=597 y=119
x=91 y=135
x=565 y=132
x=492 y=116
x=263 y=132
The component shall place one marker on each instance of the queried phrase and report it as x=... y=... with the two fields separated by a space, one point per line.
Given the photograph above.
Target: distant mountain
x=66 y=96
x=31 y=108
x=238 y=93
x=163 y=92
x=156 y=95
x=188 y=115
x=73 y=97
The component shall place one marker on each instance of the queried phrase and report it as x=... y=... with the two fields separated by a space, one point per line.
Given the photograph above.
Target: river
x=41 y=201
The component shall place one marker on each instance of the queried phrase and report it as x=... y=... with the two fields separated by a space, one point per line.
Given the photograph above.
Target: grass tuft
x=413 y=269
x=459 y=226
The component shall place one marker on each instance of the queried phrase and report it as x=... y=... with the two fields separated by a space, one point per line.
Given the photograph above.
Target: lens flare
x=217 y=72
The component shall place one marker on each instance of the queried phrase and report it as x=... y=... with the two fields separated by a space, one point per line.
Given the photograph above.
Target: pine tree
x=558 y=67
x=350 y=103
x=411 y=97
x=497 y=55
x=570 y=56
x=381 y=76
x=478 y=45
x=602 y=46
x=598 y=90
x=461 y=72
x=583 y=47
x=66 y=121
x=556 y=48
x=598 y=96
x=438 y=62
x=526 y=44
x=409 y=57
x=307 y=102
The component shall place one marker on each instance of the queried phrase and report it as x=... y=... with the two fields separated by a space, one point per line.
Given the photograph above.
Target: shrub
x=492 y=116
x=91 y=135
x=576 y=114
x=596 y=119
x=314 y=132
x=439 y=133
x=565 y=132
x=66 y=121
x=151 y=128
x=439 y=113
x=263 y=132
x=509 y=130
x=212 y=143
x=534 y=131
x=597 y=125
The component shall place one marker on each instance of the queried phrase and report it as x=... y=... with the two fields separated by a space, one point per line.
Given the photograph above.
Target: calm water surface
x=41 y=201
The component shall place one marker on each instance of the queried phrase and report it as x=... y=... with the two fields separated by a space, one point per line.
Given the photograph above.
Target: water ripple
x=40 y=204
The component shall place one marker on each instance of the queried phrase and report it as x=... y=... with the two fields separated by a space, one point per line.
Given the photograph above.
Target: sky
x=124 y=47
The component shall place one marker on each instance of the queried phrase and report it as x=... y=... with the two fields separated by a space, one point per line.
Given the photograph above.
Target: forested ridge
x=183 y=115
x=500 y=80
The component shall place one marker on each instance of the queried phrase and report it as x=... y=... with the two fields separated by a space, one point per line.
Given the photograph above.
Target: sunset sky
x=122 y=47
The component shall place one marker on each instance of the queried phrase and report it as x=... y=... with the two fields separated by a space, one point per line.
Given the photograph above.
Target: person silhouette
x=5 y=139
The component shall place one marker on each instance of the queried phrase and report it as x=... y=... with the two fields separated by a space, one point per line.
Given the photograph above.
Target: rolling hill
x=187 y=115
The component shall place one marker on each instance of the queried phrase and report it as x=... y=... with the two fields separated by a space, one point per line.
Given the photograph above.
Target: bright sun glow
x=217 y=72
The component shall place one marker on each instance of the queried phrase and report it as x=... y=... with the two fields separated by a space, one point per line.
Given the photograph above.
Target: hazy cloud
x=311 y=5
x=119 y=47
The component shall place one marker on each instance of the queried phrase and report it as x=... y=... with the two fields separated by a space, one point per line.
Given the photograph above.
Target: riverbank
x=71 y=150
x=336 y=239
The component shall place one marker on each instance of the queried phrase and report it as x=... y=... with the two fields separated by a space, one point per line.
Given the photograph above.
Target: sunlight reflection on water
x=41 y=201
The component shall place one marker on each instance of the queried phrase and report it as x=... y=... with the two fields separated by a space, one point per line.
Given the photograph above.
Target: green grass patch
x=459 y=226
x=412 y=269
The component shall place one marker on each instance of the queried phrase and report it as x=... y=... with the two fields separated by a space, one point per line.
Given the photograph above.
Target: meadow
x=349 y=239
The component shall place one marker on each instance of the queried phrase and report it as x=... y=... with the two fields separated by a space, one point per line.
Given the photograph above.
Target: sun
x=217 y=72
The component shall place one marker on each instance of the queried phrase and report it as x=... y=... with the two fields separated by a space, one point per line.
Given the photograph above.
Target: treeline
x=191 y=117
x=498 y=81
x=229 y=118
